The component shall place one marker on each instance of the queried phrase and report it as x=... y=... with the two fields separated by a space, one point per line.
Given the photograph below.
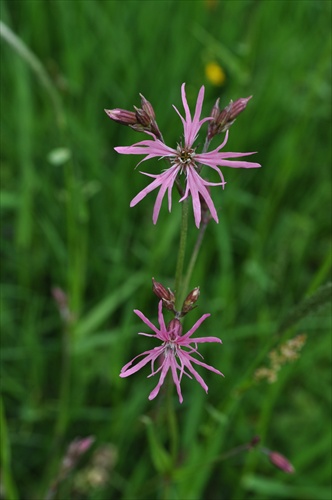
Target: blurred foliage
x=66 y=222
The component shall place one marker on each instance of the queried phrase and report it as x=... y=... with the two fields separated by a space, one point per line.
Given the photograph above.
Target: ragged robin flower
x=185 y=161
x=175 y=353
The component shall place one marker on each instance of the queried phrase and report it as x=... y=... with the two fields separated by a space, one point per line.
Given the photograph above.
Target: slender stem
x=65 y=387
x=199 y=240
x=182 y=250
x=194 y=256
x=8 y=482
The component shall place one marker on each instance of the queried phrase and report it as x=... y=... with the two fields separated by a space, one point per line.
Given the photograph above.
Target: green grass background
x=69 y=224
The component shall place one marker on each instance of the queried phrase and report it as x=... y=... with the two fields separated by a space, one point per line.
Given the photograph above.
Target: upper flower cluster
x=185 y=161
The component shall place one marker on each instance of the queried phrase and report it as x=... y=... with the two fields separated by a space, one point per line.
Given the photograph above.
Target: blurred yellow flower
x=215 y=74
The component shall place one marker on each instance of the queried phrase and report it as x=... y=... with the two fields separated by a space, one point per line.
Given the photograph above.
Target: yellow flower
x=215 y=74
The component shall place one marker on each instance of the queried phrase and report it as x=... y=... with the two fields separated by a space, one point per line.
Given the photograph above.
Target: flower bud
x=122 y=116
x=61 y=300
x=254 y=441
x=189 y=302
x=281 y=462
x=143 y=120
x=238 y=106
x=142 y=117
x=75 y=450
x=147 y=107
x=222 y=120
x=165 y=294
x=215 y=110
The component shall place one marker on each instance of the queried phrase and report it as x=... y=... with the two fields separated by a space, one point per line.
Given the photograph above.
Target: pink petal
x=192 y=188
x=191 y=127
x=166 y=179
x=194 y=327
x=201 y=340
x=168 y=183
x=239 y=164
x=161 y=318
x=147 y=147
x=201 y=183
x=146 y=321
x=208 y=367
x=165 y=368
x=214 y=159
x=176 y=378
x=150 y=355
x=185 y=358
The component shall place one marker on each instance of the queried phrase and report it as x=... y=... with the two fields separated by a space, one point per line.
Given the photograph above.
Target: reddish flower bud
x=189 y=302
x=79 y=446
x=215 y=110
x=75 y=450
x=147 y=107
x=60 y=297
x=254 y=441
x=143 y=120
x=61 y=301
x=223 y=120
x=165 y=294
x=122 y=116
x=142 y=117
x=238 y=106
x=281 y=462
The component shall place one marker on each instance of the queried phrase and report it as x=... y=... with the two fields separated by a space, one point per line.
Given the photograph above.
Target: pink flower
x=171 y=352
x=185 y=160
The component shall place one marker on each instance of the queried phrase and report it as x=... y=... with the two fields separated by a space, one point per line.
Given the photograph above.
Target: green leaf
x=160 y=457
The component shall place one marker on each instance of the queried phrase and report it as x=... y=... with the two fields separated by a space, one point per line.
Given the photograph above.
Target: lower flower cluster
x=175 y=354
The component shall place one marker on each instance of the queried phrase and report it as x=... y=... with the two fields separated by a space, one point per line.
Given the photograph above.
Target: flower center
x=170 y=349
x=185 y=157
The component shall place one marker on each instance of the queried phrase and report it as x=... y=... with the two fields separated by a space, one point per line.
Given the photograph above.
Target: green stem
x=65 y=383
x=182 y=250
x=194 y=256
x=199 y=240
x=8 y=482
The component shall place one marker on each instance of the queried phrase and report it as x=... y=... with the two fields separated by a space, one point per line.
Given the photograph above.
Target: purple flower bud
x=223 y=120
x=142 y=117
x=281 y=462
x=61 y=301
x=254 y=441
x=165 y=294
x=143 y=120
x=75 y=450
x=122 y=116
x=190 y=300
x=147 y=107
x=238 y=106
x=60 y=297
x=215 y=110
